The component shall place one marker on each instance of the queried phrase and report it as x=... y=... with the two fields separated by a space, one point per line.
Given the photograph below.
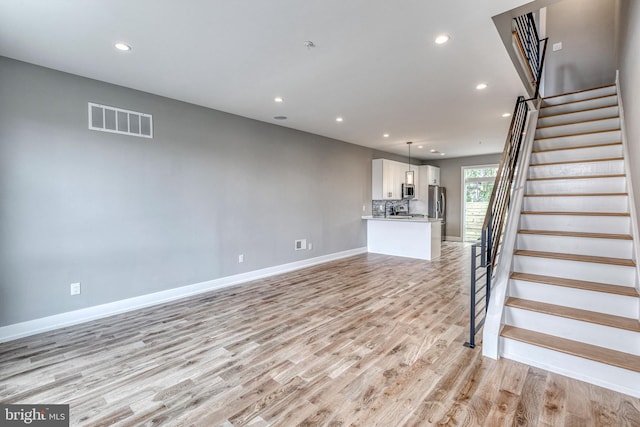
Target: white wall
x=586 y=29
x=629 y=66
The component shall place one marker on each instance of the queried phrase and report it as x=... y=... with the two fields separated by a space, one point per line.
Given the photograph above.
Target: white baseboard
x=44 y=324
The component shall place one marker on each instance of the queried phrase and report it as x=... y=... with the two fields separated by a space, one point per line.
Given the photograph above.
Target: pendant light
x=408 y=175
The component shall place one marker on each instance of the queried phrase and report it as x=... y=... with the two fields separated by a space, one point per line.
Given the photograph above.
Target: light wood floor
x=371 y=340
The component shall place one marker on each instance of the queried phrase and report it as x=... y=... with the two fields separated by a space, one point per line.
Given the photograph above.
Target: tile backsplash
x=384 y=208
x=378 y=208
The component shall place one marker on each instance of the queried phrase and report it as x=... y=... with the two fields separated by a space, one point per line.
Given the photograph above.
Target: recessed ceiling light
x=278 y=99
x=420 y=146
x=338 y=119
x=442 y=154
x=122 y=46
x=386 y=135
x=442 y=39
x=481 y=86
x=280 y=117
x=506 y=114
x=433 y=150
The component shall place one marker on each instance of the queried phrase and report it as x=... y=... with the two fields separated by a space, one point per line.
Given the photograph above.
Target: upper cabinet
x=432 y=175
x=429 y=175
x=387 y=177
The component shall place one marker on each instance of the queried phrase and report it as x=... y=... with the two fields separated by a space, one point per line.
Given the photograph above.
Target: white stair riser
x=616 y=204
x=605 y=152
x=585 y=224
x=589 y=125
x=601 y=374
x=579 y=106
x=575 y=330
x=607 y=167
x=586 y=185
x=578 y=128
x=613 y=248
x=588 y=271
x=579 y=96
x=601 y=302
x=577 y=140
x=580 y=116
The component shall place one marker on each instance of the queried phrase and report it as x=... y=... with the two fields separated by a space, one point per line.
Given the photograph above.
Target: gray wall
x=586 y=29
x=128 y=216
x=451 y=179
x=629 y=66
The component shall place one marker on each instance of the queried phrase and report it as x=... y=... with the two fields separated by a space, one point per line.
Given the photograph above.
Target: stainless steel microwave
x=408 y=191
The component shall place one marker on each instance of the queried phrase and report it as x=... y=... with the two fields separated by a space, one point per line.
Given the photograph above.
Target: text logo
x=34 y=415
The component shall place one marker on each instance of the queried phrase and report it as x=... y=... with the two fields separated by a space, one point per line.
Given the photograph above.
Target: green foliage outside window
x=478 y=191
x=480 y=173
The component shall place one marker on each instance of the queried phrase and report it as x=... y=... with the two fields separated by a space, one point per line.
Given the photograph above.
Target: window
x=477 y=187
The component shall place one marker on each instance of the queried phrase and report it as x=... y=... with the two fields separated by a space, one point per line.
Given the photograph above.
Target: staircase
x=572 y=305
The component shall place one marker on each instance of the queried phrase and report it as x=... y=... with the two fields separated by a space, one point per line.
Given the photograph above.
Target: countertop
x=412 y=219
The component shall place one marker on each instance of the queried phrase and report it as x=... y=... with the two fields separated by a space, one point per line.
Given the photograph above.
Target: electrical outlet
x=364 y=208
x=74 y=289
x=240 y=258
x=310 y=246
x=557 y=46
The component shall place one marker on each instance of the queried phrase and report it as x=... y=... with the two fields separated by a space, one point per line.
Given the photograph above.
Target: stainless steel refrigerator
x=438 y=204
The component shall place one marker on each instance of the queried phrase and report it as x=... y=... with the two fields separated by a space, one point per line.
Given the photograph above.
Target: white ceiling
x=375 y=62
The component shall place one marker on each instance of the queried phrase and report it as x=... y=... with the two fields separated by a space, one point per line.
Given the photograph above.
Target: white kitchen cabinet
x=387 y=177
x=429 y=175
x=382 y=180
x=433 y=175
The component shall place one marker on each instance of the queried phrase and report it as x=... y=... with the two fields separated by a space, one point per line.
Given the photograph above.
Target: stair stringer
x=499 y=290
x=627 y=170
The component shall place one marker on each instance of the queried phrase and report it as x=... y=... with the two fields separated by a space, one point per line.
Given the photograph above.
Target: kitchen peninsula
x=413 y=237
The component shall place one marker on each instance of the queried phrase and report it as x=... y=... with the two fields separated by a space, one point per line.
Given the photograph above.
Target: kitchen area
x=408 y=210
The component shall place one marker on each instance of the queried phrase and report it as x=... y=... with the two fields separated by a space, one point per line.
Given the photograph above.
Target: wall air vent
x=118 y=120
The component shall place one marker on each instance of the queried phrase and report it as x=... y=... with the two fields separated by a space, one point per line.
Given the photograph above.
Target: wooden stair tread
x=580 y=111
x=577 y=147
x=605 y=159
x=576 y=101
x=579 y=134
x=577 y=234
x=575 y=257
x=575 y=213
x=577 y=284
x=581 y=91
x=573 y=194
x=575 y=314
x=575 y=348
x=548 y=178
x=576 y=123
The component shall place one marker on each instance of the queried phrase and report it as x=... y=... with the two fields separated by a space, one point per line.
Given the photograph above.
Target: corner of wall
x=633 y=207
